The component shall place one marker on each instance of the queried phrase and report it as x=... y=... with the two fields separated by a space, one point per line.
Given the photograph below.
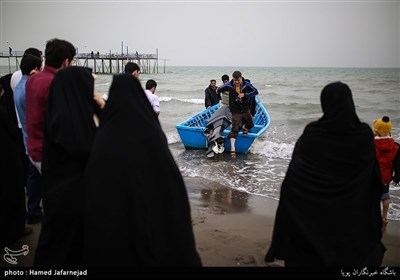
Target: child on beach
x=388 y=156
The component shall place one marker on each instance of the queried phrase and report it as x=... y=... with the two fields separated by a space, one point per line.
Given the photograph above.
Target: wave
x=164 y=98
x=272 y=150
x=173 y=137
x=184 y=100
x=104 y=84
x=305 y=105
x=394 y=187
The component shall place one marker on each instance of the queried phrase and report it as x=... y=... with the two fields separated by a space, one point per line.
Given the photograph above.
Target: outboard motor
x=214 y=131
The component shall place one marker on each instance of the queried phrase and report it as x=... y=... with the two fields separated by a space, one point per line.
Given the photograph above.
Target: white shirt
x=153 y=99
x=15 y=78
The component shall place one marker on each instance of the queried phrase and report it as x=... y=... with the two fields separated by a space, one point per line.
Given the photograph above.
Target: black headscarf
x=12 y=169
x=329 y=212
x=68 y=137
x=8 y=98
x=137 y=211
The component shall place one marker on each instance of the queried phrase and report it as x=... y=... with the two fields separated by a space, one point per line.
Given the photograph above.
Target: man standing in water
x=240 y=93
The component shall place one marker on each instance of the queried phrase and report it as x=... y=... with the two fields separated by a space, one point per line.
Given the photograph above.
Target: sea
x=292 y=99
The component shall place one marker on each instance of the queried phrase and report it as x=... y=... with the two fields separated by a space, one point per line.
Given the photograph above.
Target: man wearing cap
x=388 y=156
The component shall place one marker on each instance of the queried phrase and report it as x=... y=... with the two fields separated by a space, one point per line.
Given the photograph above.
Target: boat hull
x=192 y=135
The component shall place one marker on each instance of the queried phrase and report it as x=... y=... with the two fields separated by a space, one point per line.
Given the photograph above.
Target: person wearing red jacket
x=388 y=156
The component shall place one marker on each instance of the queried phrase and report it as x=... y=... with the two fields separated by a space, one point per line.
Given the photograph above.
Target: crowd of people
x=69 y=147
x=241 y=95
x=66 y=127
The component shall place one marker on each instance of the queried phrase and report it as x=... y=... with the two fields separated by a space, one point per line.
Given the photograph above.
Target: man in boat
x=212 y=97
x=224 y=79
x=253 y=103
x=216 y=125
x=240 y=94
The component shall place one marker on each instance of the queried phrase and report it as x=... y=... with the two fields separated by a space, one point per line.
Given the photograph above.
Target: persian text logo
x=10 y=255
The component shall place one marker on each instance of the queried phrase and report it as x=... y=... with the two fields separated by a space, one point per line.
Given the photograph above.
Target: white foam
x=104 y=84
x=394 y=187
x=272 y=149
x=164 y=98
x=190 y=100
x=173 y=137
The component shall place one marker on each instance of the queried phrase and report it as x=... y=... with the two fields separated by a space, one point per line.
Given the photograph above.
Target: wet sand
x=232 y=229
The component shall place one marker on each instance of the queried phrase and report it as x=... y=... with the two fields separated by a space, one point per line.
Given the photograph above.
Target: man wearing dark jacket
x=212 y=97
x=240 y=94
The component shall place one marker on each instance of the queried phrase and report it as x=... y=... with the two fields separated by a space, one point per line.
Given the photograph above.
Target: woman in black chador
x=68 y=137
x=137 y=208
x=329 y=213
x=12 y=170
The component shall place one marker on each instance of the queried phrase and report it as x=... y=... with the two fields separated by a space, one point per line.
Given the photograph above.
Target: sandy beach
x=232 y=229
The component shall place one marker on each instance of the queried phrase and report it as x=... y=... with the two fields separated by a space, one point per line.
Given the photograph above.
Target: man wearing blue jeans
x=30 y=64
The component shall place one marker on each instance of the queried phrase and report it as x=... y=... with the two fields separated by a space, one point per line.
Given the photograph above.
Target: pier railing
x=110 y=63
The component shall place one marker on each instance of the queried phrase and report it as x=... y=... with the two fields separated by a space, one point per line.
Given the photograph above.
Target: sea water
x=292 y=98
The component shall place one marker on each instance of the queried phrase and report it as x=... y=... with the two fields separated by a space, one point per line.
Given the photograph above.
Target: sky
x=215 y=33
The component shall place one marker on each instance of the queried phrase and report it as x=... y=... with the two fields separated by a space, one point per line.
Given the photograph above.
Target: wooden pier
x=112 y=63
x=12 y=60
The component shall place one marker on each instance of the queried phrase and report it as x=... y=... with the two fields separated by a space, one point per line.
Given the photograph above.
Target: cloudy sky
x=215 y=33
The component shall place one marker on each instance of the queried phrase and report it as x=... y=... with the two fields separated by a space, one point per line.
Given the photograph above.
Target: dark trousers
x=237 y=119
x=34 y=193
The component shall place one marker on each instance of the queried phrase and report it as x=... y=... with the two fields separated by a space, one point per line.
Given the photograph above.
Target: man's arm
x=252 y=92
x=223 y=88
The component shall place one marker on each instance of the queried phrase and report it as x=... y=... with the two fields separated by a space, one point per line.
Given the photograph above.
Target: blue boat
x=192 y=130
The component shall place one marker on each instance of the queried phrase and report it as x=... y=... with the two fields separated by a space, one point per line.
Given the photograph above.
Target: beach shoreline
x=232 y=228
